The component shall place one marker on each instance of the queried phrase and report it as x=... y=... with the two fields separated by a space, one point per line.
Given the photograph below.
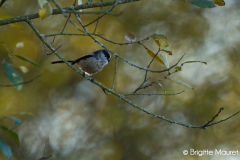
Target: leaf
x=4 y=47
x=25 y=113
x=130 y=37
x=13 y=75
x=163 y=57
x=219 y=2
x=14 y=119
x=6 y=149
x=46 y=9
x=203 y=3
x=23 y=69
x=14 y=25
x=160 y=40
x=181 y=83
x=166 y=51
x=13 y=135
x=162 y=87
x=194 y=62
x=177 y=68
x=27 y=60
x=41 y=3
x=153 y=55
x=20 y=45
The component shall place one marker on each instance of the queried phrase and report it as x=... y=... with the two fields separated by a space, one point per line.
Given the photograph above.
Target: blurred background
x=79 y=121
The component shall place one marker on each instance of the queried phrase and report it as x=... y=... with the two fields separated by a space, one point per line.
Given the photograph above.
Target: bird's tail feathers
x=55 y=62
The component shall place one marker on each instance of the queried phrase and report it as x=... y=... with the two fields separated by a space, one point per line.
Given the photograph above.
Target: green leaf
x=13 y=75
x=6 y=149
x=28 y=60
x=160 y=40
x=13 y=135
x=181 y=83
x=203 y=3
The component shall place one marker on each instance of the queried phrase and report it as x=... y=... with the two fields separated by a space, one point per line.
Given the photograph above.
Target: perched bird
x=91 y=63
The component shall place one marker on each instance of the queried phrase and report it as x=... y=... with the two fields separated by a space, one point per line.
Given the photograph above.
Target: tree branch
x=66 y=10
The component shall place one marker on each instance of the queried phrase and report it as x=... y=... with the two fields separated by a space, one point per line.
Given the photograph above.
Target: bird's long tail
x=55 y=62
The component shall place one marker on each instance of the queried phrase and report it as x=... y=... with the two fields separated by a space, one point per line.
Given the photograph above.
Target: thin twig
x=69 y=16
x=68 y=34
x=145 y=77
x=153 y=94
x=220 y=110
x=101 y=16
x=44 y=152
x=223 y=119
x=115 y=72
x=66 y=16
x=97 y=21
x=25 y=82
x=55 y=50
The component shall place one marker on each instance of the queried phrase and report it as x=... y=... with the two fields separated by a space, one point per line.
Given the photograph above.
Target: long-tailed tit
x=92 y=62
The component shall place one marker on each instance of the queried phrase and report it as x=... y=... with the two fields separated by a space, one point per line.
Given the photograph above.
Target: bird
x=91 y=63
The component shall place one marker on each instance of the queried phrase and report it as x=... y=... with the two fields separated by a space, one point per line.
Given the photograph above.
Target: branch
x=66 y=10
x=121 y=96
x=221 y=109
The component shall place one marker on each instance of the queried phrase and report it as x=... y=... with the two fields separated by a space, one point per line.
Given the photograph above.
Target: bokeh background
x=81 y=122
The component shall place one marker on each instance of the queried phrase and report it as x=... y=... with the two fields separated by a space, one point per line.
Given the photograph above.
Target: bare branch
x=220 y=110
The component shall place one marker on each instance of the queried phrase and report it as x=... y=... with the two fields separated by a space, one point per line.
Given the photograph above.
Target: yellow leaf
x=219 y=2
x=46 y=11
x=14 y=25
x=160 y=40
x=153 y=55
x=42 y=13
x=168 y=52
